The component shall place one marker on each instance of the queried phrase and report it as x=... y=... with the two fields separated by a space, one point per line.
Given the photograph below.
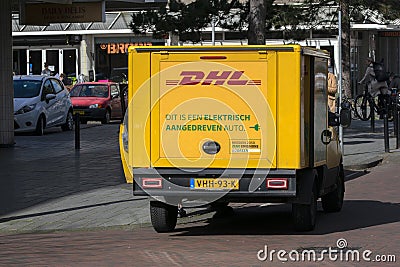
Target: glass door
x=35 y=65
x=52 y=58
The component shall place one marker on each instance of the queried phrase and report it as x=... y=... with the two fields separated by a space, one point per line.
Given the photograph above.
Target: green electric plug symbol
x=256 y=127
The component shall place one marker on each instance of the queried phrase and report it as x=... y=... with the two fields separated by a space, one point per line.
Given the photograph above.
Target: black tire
x=304 y=215
x=40 y=126
x=363 y=107
x=107 y=117
x=333 y=201
x=69 y=123
x=163 y=216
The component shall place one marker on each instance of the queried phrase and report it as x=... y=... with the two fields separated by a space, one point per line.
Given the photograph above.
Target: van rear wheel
x=333 y=201
x=163 y=216
x=304 y=215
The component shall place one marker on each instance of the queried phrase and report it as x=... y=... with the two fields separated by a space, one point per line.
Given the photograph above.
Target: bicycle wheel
x=363 y=107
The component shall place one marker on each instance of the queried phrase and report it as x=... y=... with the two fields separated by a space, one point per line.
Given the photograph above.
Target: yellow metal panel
x=288 y=110
x=124 y=158
x=231 y=108
x=138 y=109
x=270 y=111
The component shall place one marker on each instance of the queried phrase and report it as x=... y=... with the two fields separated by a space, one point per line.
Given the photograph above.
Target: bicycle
x=350 y=104
x=365 y=102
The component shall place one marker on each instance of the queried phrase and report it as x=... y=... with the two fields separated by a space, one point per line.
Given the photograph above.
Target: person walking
x=332 y=89
x=394 y=81
x=46 y=71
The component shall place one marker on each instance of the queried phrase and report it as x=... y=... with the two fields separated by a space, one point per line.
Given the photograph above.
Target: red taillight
x=277 y=183
x=151 y=182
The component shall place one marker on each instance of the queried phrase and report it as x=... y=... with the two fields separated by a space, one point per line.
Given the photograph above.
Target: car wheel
x=40 y=126
x=69 y=123
x=333 y=201
x=304 y=215
x=163 y=216
x=107 y=118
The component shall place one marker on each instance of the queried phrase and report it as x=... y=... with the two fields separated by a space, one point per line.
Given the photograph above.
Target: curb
x=365 y=165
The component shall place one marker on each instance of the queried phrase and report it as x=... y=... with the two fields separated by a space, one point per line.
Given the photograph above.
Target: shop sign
x=44 y=14
x=121 y=48
x=389 y=34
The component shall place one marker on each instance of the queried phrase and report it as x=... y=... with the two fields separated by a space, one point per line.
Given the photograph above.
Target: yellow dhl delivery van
x=213 y=125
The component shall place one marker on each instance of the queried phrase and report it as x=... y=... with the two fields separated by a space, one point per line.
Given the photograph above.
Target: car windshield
x=26 y=88
x=86 y=90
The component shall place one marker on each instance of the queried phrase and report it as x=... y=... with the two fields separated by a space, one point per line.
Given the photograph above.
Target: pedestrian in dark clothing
x=394 y=81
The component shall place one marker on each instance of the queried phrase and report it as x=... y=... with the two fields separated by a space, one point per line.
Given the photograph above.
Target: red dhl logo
x=212 y=78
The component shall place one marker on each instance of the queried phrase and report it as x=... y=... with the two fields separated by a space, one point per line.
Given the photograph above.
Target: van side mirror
x=345 y=114
x=345 y=117
x=333 y=119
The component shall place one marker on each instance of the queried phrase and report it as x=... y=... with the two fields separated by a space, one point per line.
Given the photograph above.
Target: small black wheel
x=163 y=216
x=69 y=123
x=305 y=215
x=333 y=201
x=40 y=126
x=363 y=107
x=107 y=118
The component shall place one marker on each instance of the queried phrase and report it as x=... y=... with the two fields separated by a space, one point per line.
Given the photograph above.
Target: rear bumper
x=252 y=184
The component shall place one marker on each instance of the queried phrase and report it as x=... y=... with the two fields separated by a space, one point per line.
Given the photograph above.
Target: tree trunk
x=344 y=7
x=257 y=14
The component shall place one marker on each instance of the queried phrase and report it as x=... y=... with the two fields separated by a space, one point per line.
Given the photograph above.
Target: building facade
x=95 y=49
x=92 y=49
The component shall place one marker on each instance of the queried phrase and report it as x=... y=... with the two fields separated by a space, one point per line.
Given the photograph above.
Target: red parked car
x=97 y=101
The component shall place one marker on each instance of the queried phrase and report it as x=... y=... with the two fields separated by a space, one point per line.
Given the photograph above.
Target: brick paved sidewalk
x=47 y=185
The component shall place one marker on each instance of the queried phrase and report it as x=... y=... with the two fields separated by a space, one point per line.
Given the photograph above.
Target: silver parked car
x=41 y=102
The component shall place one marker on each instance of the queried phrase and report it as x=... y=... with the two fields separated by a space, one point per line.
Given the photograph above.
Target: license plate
x=80 y=112
x=220 y=183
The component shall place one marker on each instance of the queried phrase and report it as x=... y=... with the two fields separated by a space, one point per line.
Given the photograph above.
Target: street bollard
x=396 y=123
x=397 y=132
x=77 y=131
x=397 y=116
x=386 y=132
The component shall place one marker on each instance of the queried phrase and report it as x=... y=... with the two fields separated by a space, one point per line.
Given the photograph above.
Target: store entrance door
x=35 y=65
x=53 y=59
x=59 y=60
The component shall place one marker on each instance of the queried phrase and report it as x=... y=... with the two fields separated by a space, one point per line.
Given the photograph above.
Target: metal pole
x=340 y=77
x=386 y=132
x=397 y=114
x=398 y=130
x=77 y=131
x=395 y=121
x=372 y=117
x=213 y=31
